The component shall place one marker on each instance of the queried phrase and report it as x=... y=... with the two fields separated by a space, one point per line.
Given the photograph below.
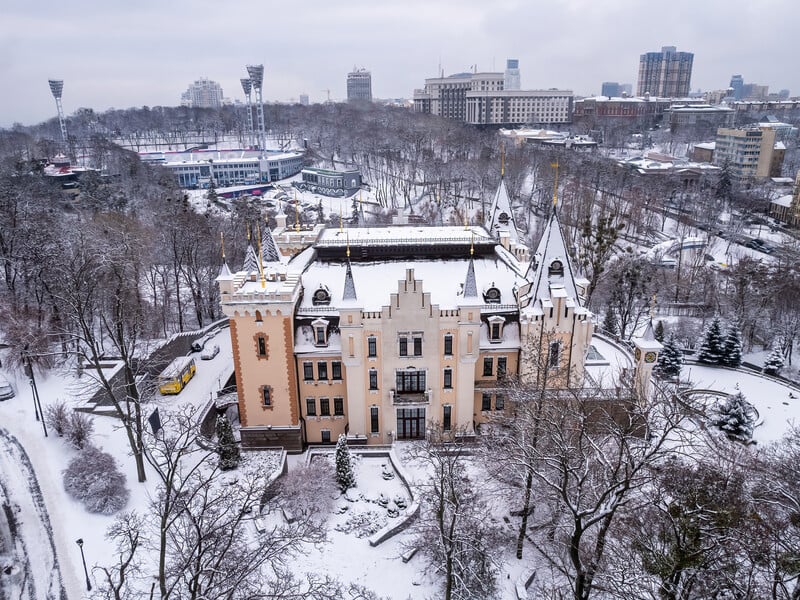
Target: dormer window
x=320 y=329
x=492 y=295
x=503 y=218
x=556 y=269
x=321 y=297
x=496 y=324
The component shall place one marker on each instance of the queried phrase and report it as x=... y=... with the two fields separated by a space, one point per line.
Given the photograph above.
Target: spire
x=269 y=249
x=250 y=260
x=501 y=217
x=349 y=285
x=550 y=265
x=224 y=270
x=470 y=285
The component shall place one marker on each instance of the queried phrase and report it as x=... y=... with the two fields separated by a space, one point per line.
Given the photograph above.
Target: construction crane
x=329 y=95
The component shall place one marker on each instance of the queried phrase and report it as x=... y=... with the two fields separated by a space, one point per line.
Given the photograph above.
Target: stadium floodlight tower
x=57 y=86
x=256 y=73
x=247 y=87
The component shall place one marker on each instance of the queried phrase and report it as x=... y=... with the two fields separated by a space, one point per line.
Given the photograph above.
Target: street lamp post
x=79 y=541
x=37 y=403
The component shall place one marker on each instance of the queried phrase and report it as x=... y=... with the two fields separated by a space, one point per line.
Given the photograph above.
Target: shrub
x=79 y=430
x=93 y=478
x=345 y=475
x=57 y=417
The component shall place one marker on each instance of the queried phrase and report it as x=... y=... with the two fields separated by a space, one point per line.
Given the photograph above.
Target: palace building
x=376 y=332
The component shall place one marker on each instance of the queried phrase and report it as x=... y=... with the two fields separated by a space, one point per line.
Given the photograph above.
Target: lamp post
x=37 y=403
x=79 y=541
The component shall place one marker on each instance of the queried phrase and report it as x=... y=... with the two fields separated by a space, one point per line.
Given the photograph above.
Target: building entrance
x=410 y=423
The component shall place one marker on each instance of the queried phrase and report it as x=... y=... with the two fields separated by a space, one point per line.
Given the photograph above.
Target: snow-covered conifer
x=735 y=418
x=713 y=344
x=774 y=362
x=610 y=321
x=732 y=349
x=671 y=358
x=659 y=331
x=227 y=448
x=345 y=475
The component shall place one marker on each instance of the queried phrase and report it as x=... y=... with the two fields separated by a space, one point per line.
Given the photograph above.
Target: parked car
x=6 y=390
x=209 y=352
x=200 y=343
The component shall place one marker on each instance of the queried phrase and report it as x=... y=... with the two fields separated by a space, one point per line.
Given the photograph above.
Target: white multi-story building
x=203 y=93
x=483 y=99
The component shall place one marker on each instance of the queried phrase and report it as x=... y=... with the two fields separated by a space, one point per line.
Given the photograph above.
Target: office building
x=665 y=74
x=750 y=152
x=611 y=89
x=512 y=78
x=359 y=85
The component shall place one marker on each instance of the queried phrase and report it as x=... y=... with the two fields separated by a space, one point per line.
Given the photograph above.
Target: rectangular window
x=338 y=407
x=373 y=379
x=373 y=419
x=336 y=370
x=262 y=346
x=488 y=366
x=447 y=414
x=495 y=331
x=372 y=346
x=417 y=346
x=326 y=436
x=320 y=336
x=448 y=345
x=266 y=396
x=324 y=407
x=553 y=357
x=403 y=346
x=322 y=371
x=311 y=407
x=502 y=361
x=308 y=371
x=448 y=379
x=486 y=401
x=500 y=402
x=410 y=381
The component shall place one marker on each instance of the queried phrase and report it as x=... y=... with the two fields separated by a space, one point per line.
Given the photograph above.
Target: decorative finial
x=248 y=232
x=502 y=160
x=653 y=306
x=222 y=242
x=348 y=243
x=555 y=184
x=260 y=256
x=472 y=243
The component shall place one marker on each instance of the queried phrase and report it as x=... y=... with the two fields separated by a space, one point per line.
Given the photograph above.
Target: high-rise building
x=304 y=99
x=666 y=74
x=512 y=81
x=359 y=85
x=749 y=152
x=737 y=85
x=203 y=93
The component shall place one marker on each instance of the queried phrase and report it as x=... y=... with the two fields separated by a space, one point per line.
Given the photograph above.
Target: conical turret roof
x=501 y=217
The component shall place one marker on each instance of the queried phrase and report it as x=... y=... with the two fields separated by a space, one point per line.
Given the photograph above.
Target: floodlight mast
x=256 y=73
x=247 y=87
x=57 y=87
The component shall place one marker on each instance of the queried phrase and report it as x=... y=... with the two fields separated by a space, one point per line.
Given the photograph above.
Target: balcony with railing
x=409 y=398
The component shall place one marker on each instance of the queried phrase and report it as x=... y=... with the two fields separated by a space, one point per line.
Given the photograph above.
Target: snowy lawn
x=777 y=410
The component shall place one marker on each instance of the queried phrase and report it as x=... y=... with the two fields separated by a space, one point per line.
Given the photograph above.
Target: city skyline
x=125 y=56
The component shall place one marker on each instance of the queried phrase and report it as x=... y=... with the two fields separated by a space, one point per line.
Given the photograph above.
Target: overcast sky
x=146 y=52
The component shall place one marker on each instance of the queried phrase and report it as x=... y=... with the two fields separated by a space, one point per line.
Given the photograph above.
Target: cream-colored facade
x=377 y=333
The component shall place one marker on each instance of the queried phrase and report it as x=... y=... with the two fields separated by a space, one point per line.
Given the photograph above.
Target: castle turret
x=646 y=355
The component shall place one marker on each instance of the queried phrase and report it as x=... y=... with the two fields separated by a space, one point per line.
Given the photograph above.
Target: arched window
x=556 y=269
x=321 y=296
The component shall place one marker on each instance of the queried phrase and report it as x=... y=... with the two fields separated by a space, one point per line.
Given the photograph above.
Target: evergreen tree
x=610 y=321
x=354 y=211
x=774 y=362
x=345 y=475
x=227 y=448
x=735 y=417
x=732 y=349
x=211 y=195
x=713 y=344
x=659 y=331
x=671 y=358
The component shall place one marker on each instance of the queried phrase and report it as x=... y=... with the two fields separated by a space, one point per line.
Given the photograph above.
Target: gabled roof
x=541 y=274
x=501 y=217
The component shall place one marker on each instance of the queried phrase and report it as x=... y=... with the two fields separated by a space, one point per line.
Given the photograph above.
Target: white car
x=6 y=391
x=209 y=352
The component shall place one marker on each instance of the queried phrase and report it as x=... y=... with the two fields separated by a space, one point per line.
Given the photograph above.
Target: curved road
x=25 y=531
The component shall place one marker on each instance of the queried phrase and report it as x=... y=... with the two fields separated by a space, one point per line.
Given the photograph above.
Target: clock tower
x=646 y=355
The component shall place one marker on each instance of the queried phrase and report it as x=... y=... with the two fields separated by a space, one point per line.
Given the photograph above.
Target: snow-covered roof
x=501 y=217
x=706 y=145
x=784 y=200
